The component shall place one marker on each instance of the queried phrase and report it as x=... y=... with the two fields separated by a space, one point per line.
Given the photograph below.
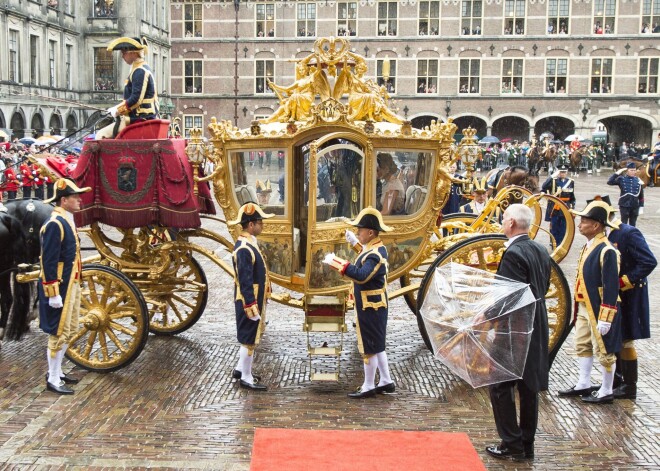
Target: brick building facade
x=506 y=67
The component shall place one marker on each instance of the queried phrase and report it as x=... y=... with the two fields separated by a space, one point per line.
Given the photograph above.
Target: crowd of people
x=18 y=177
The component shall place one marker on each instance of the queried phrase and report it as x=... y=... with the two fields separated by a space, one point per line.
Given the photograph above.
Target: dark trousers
x=39 y=192
x=629 y=215
x=11 y=195
x=27 y=192
x=515 y=436
x=558 y=226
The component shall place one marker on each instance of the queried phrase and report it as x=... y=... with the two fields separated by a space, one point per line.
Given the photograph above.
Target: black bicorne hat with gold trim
x=479 y=185
x=370 y=218
x=249 y=212
x=65 y=187
x=599 y=211
x=128 y=44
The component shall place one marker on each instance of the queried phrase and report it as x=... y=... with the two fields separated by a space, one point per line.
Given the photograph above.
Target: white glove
x=351 y=238
x=255 y=318
x=113 y=111
x=604 y=327
x=621 y=170
x=329 y=258
x=641 y=211
x=55 y=302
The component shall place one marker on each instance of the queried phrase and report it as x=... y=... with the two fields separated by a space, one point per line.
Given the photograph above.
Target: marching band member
x=27 y=179
x=369 y=275
x=12 y=183
x=250 y=291
x=38 y=181
x=631 y=201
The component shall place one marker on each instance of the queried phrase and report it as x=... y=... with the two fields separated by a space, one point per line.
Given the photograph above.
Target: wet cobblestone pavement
x=176 y=406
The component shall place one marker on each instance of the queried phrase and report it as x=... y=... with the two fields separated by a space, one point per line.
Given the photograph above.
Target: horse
x=536 y=158
x=14 y=302
x=575 y=160
x=516 y=175
x=644 y=169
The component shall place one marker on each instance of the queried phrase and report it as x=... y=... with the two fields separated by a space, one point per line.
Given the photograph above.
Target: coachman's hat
x=479 y=185
x=65 y=187
x=605 y=198
x=249 y=212
x=370 y=218
x=128 y=44
x=599 y=211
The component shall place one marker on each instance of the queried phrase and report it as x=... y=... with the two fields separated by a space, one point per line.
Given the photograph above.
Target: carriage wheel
x=177 y=299
x=113 y=321
x=484 y=252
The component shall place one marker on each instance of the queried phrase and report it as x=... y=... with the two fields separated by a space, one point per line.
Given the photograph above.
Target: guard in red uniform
x=38 y=182
x=28 y=180
x=11 y=183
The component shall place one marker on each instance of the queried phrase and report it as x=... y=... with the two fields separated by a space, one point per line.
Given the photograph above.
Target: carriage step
x=334 y=351
x=324 y=327
x=325 y=376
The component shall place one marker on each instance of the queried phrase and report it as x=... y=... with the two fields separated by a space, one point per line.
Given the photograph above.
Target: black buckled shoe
x=572 y=392
x=62 y=389
x=504 y=453
x=66 y=378
x=239 y=374
x=388 y=388
x=594 y=399
x=359 y=394
x=253 y=386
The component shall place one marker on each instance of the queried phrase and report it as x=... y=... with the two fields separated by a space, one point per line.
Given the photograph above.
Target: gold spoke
x=123 y=329
x=77 y=335
x=104 y=346
x=123 y=314
x=176 y=311
x=107 y=291
x=90 y=343
x=94 y=297
x=115 y=340
x=182 y=301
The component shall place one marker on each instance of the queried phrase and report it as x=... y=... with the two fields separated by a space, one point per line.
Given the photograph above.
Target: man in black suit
x=528 y=262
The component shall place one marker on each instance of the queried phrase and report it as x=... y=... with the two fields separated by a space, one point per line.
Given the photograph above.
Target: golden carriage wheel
x=113 y=327
x=484 y=252
x=177 y=298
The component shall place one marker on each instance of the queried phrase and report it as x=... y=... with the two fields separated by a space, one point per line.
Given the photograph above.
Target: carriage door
x=336 y=194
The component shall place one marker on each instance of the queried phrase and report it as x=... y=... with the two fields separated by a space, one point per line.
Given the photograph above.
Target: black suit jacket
x=528 y=262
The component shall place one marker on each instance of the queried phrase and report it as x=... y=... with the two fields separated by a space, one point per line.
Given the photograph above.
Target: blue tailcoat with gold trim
x=637 y=263
x=597 y=285
x=140 y=93
x=250 y=281
x=369 y=275
x=60 y=267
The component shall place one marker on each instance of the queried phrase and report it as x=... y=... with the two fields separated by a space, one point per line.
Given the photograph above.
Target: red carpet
x=277 y=449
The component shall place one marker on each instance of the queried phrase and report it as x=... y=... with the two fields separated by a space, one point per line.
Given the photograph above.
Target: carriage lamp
x=469 y=150
x=196 y=153
x=586 y=107
x=448 y=107
x=386 y=69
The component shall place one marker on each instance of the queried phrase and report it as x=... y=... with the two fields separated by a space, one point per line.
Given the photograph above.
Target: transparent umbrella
x=479 y=323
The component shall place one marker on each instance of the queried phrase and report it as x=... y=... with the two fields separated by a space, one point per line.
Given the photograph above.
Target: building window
x=104 y=69
x=601 y=75
x=306 y=19
x=190 y=122
x=34 y=60
x=52 y=71
x=192 y=14
x=429 y=18
x=265 y=20
x=265 y=70
x=604 y=16
x=471 y=17
x=383 y=78
x=14 y=71
x=346 y=18
x=427 y=76
x=66 y=7
x=193 y=76
x=387 y=18
x=648 y=75
x=67 y=65
x=154 y=13
x=514 y=17
x=103 y=9
x=651 y=16
x=558 y=16
x=470 y=70
x=556 y=74
x=512 y=76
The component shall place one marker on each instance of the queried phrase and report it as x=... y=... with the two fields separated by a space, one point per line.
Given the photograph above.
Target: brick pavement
x=176 y=406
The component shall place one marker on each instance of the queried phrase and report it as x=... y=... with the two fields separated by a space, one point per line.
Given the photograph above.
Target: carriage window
x=339 y=182
x=402 y=181
x=259 y=176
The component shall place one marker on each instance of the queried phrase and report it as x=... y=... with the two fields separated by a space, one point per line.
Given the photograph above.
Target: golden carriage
x=313 y=164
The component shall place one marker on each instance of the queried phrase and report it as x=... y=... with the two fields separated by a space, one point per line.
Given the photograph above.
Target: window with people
x=346 y=18
x=193 y=75
x=387 y=18
x=604 y=16
x=470 y=72
x=558 y=16
x=648 y=75
x=556 y=74
x=512 y=75
x=258 y=176
x=192 y=14
x=402 y=181
x=427 y=76
x=429 y=18
x=651 y=16
x=386 y=78
x=471 y=12
x=514 y=16
x=306 y=19
x=601 y=75
x=265 y=20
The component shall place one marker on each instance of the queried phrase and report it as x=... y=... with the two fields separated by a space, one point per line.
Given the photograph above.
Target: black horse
x=22 y=223
x=17 y=301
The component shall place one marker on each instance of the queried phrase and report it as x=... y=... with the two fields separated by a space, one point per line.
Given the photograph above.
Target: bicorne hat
x=479 y=185
x=65 y=187
x=128 y=44
x=370 y=218
x=605 y=198
x=599 y=211
x=249 y=212
x=631 y=165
